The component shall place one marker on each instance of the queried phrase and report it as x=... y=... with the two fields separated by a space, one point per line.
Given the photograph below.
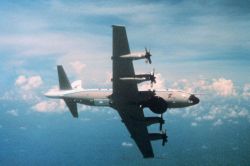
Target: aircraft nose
x=194 y=99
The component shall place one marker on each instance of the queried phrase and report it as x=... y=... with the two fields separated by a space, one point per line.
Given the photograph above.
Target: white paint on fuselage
x=100 y=97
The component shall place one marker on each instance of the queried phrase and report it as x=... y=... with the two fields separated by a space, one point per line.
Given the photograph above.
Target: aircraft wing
x=133 y=118
x=122 y=67
x=125 y=92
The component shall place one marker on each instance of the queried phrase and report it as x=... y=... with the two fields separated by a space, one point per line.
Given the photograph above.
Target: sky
x=198 y=46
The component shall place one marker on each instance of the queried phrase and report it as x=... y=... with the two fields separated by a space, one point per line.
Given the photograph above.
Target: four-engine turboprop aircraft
x=125 y=96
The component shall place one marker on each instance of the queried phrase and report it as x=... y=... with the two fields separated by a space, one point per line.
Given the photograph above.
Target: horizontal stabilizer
x=64 y=83
x=72 y=107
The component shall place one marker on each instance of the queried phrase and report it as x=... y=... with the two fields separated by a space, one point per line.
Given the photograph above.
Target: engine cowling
x=156 y=104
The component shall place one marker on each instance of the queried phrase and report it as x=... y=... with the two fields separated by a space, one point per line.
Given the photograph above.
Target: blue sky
x=200 y=47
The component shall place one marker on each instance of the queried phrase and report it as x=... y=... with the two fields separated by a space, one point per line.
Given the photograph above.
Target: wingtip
x=118 y=26
x=59 y=66
x=75 y=116
x=148 y=156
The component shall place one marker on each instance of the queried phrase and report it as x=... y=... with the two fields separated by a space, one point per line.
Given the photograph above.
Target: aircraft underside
x=125 y=96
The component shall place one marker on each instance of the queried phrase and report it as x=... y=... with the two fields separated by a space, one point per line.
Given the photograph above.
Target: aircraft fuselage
x=101 y=97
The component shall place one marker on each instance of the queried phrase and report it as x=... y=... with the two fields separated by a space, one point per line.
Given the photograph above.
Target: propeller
x=164 y=137
x=162 y=122
x=152 y=78
x=148 y=55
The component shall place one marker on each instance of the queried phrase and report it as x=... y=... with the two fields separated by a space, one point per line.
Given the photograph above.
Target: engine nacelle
x=138 y=55
x=134 y=79
x=134 y=55
x=156 y=104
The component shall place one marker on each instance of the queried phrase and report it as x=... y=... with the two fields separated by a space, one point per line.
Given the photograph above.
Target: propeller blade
x=164 y=138
x=149 y=60
x=161 y=124
x=163 y=143
x=148 y=55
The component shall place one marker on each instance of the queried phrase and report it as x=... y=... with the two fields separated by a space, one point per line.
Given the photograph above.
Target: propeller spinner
x=162 y=122
x=153 y=78
x=148 y=55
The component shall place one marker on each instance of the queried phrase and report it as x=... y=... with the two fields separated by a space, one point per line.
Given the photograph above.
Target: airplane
x=125 y=96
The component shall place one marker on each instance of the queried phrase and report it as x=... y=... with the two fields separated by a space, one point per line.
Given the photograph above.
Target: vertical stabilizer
x=64 y=83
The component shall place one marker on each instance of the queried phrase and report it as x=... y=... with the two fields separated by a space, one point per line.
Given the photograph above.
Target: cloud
x=246 y=91
x=49 y=106
x=204 y=147
x=77 y=66
x=85 y=119
x=26 y=89
x=28 y=83
x=217 y=86
x=194 y=124
x=202 y=28
x=223 y=87
x=127 y=144
x=21 y=80
x=13 y=112
x=243 y=113
x=23 y=128
x=159 y=85
x=218 y=122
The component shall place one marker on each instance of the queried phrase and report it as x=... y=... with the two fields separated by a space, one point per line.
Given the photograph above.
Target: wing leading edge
x=124 y=92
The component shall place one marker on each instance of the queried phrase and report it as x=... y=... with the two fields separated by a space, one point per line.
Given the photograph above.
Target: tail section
x=72 y=107
x=64 y=84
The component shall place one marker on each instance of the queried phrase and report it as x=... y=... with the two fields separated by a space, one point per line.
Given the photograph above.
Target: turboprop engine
x=139 y=55
x=141 y=78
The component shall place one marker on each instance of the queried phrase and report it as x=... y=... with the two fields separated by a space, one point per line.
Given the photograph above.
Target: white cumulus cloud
x=23 y=128
x=13 y=112
x=127 y=144
x=49 y=106
x=77 y=67
x=246 y=91
x=223 y=87
x=218 y=122
x=28 y=83
x=194 y=124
